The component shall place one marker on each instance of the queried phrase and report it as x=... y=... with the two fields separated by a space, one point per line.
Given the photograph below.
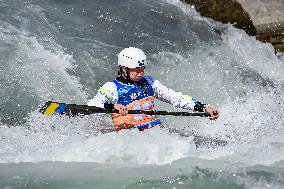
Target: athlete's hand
x=214 y=114
x=122 y=109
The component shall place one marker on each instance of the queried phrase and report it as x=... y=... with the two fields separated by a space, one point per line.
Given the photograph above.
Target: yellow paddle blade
x=50 y=109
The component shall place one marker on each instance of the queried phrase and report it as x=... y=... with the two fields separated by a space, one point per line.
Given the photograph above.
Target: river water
x=65 y=50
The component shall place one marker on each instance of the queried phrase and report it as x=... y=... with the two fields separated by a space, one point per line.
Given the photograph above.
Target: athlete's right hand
x=122 y=109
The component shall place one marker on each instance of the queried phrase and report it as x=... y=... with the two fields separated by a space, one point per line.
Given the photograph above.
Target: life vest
x=137 y=96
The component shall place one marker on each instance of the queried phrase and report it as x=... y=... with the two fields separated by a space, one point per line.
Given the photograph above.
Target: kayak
x=56 y=108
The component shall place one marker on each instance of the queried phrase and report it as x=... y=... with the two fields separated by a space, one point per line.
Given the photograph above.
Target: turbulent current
x=65 y=50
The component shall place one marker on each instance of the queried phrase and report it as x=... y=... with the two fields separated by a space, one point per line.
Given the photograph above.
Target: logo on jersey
x=133 y=96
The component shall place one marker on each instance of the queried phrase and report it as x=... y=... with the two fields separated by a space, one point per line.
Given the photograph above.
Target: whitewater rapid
x=65 y=52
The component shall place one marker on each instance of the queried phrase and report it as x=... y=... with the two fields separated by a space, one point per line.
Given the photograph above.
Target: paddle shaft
x=73 y=109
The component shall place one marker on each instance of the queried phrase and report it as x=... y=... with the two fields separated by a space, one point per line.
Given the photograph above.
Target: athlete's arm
x=170 y=96
x=179 y=100
x=106 y=96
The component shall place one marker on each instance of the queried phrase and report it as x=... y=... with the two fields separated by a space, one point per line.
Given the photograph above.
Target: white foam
x=254 y=54
x=240 y=75
x=70 y=140
x=153 y=146
x=46 y=71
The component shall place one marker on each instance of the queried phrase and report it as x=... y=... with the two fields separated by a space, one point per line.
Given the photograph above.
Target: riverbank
x=261 y=18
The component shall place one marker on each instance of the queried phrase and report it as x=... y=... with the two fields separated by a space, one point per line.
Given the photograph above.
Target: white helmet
x=132 y=58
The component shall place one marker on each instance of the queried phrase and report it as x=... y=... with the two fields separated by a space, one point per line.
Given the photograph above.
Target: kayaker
x=131 y=90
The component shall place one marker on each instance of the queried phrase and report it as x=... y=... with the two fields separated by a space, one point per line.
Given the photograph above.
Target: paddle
x=51 y=108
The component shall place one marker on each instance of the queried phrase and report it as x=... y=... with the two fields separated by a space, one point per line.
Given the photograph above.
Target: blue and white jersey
x=127 y=93
x=109 y=94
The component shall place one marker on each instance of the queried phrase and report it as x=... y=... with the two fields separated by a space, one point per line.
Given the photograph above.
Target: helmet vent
x=127 y=57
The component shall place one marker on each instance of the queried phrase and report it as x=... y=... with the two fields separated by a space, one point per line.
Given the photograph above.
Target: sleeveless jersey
x=137 y=96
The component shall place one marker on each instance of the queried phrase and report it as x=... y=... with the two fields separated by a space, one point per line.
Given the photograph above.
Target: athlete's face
x=135 y=74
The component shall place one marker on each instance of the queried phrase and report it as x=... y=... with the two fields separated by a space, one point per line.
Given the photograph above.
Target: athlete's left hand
x=214 y=114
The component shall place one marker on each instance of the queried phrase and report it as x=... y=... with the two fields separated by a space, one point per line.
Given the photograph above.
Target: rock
x=261 y=18
x=276 y=38
x=226 y=11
